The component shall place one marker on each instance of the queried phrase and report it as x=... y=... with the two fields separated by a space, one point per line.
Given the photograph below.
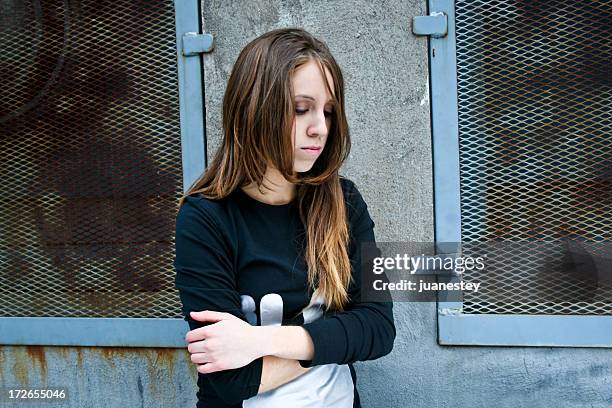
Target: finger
x=208 y=368
x=197 y=347
x=200 y=358
x=198 y=334
x=209 y=316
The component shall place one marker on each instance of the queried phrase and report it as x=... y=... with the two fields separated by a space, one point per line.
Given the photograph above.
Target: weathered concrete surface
x=99 y=376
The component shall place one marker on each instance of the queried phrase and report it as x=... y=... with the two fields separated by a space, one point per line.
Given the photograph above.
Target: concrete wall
x=385 y=68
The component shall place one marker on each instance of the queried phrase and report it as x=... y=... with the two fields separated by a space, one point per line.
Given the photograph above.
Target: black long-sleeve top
x=240 y=246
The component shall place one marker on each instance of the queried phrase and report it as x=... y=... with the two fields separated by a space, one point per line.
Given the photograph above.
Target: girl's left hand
x=228 y=343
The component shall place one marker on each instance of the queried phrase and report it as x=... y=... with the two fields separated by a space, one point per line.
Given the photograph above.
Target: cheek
x=328 y=123
x=298 y=131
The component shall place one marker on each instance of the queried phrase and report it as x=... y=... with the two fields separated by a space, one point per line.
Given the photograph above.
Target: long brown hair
x=258 y=115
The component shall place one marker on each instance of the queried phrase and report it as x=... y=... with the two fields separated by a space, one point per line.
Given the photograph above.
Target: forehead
x=308 y=80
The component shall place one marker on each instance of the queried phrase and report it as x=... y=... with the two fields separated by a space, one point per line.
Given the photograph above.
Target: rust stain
x=165 y=356
x=110 y=354
x=153 y=354
x=21 y=366
x=161 y=363
x=66 y=352
x=2 y=360
x=79 y=355
x=37 y=353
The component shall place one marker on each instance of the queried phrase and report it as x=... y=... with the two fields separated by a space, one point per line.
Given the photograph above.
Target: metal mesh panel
x=90 y=162
x=534 y=125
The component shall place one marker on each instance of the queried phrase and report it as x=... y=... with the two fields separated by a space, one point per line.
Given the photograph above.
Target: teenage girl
x=268 y=240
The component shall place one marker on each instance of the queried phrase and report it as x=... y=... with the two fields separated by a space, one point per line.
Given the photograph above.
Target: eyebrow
x=311 y=98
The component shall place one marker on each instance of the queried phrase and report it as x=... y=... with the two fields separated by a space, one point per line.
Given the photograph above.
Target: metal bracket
x=194 y=44
x=435 y=24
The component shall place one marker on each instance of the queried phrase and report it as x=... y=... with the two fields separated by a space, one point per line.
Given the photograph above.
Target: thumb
x=208 y=316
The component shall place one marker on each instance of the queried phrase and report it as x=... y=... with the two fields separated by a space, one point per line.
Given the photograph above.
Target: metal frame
x=454 y=327
x=83 y=331
x=193 y=139
x=135 y=332
x=524 y=330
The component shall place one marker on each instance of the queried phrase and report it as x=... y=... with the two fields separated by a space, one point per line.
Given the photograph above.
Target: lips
x=312 y=150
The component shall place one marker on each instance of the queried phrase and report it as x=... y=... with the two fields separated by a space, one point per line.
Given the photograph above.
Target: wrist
x=265 y=337
x=291 y=342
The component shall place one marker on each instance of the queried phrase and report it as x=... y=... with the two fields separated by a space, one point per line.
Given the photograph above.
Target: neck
x=275 y=189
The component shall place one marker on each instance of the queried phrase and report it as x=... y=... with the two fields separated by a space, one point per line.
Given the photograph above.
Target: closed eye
x=303 y=111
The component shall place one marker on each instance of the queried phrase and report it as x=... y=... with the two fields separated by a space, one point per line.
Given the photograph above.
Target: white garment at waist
x=328 y=385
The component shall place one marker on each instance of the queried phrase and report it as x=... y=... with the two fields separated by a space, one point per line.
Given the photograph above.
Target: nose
x=318 y=126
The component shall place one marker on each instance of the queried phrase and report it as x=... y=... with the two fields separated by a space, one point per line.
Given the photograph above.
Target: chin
x=302 y=167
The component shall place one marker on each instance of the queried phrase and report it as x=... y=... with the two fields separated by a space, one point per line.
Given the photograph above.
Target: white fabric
x=322 y=386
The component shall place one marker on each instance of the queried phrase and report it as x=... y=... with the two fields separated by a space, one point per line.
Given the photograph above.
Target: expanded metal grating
x=90 y=163
x=534 y=124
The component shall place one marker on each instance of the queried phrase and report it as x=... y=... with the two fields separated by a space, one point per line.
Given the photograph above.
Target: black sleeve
x=365 y=330
x=205 y=279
